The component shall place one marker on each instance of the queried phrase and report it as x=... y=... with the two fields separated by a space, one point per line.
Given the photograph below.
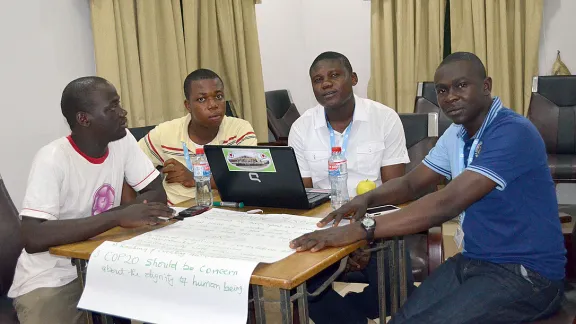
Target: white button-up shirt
x=376 y=140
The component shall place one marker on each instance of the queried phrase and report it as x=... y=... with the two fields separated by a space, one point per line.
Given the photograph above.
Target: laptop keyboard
x=313 y=195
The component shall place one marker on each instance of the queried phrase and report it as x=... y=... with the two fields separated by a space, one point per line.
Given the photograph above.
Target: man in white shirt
x=73 y=194
x=371 y=137
x=370 y=134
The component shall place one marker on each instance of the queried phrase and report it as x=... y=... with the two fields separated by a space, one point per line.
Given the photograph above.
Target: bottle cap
x=336 y=149
x=200 y=150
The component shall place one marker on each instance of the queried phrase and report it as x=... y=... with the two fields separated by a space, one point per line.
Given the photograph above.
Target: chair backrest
x=10 y=241
x=427 y=102
x=6 y=205
x=553 y=111
x=421 y=132
x=230 y=110
x=281 y=111
x=140 y=132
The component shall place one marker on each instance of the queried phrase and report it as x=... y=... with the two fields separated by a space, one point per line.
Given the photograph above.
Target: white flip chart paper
x=160 y=287
x=227 y=234
x=193 y=271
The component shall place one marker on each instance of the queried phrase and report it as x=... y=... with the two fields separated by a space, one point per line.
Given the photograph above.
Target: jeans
x=464 y=290
x=330 y=307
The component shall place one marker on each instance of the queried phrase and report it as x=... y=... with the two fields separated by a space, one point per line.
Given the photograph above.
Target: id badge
x=459 y=237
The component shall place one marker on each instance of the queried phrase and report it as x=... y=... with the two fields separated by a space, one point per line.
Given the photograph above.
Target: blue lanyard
x=346 y=134
x=187 y=156
x=464 y=163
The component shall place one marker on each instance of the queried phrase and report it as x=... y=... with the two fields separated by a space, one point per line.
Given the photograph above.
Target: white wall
x=557 y=33
x=45 y=45
x=293 y=32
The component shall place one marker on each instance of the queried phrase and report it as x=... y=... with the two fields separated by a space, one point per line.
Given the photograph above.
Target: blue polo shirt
x=517 y=222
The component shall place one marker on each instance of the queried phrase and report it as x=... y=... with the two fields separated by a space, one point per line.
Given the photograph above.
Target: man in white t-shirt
x=371 y=137
x=73 y=194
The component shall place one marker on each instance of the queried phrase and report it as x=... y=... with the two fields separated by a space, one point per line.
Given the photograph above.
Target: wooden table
x=285 y=275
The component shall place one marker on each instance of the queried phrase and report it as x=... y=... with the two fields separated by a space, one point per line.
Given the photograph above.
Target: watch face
x=368 y=222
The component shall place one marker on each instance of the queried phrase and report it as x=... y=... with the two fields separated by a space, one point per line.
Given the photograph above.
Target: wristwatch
x=369 y=225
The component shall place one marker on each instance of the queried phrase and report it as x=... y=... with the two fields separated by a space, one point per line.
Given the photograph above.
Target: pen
x=187 y=156
x=228 y=204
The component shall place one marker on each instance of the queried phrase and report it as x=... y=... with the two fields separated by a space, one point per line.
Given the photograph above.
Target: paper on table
x=159 y=287
x=161 y=276
x=221 y=233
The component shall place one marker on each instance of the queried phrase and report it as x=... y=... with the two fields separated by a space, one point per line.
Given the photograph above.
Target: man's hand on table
x=176 y=172
x=356 y=208
x=144 y=214
x=331 y=237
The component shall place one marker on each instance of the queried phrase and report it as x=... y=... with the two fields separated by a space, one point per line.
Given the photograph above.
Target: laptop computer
x=263 y=176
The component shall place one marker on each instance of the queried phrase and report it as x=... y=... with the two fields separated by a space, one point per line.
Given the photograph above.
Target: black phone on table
x=192 y=211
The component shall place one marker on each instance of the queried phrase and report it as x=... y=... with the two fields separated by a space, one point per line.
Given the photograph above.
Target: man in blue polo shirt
x=511 y=269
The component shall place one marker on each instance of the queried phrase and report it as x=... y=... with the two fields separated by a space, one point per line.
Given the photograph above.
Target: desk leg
x=285 y=306
x=402 y=271
x=81 y=271
x=303 y=304
x=381 y=266
x=81 y=267
x=394 y=276
x=258 y=295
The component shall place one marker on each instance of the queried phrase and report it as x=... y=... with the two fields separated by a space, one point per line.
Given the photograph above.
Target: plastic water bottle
x=338 y=174
x=202 y=178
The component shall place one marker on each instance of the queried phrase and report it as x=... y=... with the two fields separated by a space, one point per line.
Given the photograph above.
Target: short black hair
x=200 y=74
x=332 y=56
x=474 y=60
x=76 y=96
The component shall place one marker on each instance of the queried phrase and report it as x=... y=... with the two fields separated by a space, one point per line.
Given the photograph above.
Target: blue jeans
x=330 y=307
x=464 y=290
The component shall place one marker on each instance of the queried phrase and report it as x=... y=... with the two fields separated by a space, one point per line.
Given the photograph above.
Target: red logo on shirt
x=103 y=199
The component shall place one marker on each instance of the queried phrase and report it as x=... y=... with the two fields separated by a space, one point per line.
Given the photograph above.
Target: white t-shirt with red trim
x=64 y=183
x=165 y=142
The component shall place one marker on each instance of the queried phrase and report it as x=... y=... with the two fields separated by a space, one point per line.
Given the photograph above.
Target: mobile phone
x=192 y=211
x=381 y=210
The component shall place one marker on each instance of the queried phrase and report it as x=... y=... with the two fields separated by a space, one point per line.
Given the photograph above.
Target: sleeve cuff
x=146 y=181
x=305 y=174
x=29 y=212
x=500 y=183
x=437 y=169
x=400 y=160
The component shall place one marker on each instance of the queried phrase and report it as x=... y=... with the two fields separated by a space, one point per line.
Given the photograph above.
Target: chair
x=7 y=210
x=553 y=111
x=283 y=141
x=427 y=102
x=282 y=113
x=230 y=110
x=140 y=132
x=421 y=132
